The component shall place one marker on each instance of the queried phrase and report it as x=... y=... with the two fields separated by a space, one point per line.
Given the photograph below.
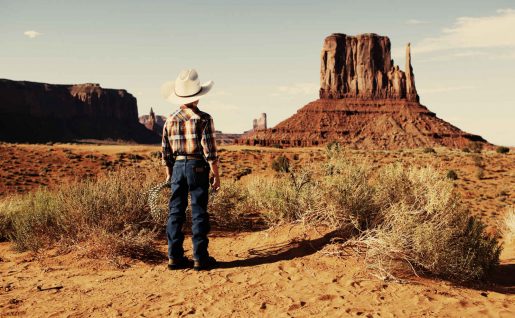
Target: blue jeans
x=189 y=176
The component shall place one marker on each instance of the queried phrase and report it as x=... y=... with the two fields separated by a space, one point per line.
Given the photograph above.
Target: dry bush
x=281 y=164
x=285 y=198
x=30 y=220
x=424 y=224
x=227 y=205
x=111 y=203
x=130 y=242
x=508 y=228
x=348 y=194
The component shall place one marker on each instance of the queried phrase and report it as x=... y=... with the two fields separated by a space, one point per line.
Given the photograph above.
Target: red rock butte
x=366 y=101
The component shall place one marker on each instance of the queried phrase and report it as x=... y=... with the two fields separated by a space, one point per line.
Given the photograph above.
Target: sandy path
x=264 y=274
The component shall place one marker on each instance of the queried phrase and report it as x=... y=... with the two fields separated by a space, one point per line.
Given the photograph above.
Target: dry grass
x=277 y=199
x=398 y=215
x=508 y=228
x=422 y=222
x=108 y=216
x=228 y=205
x=110 y=210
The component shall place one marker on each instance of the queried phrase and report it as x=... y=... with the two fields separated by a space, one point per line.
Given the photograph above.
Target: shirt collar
x=193 y=109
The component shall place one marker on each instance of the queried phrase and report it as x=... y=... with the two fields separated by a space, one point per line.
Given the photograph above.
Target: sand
x=283 y=272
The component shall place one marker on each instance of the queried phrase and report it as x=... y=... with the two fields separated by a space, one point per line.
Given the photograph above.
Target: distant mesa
x=257 y=124
x=153 y=122
x=40 y=112
x=366 y=101
x=260 y=122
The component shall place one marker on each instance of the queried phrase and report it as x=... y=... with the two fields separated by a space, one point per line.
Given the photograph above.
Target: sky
x=264 y=56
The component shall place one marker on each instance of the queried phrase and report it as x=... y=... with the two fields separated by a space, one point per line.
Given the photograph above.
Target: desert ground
x=285 y=271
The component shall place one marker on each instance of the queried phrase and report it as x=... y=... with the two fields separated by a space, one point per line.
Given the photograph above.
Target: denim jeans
x=189 y=176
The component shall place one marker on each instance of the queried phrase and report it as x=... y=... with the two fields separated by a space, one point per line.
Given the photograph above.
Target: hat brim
x=168 y=93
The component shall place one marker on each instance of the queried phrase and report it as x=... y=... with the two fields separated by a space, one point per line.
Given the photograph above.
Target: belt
x=189 y=157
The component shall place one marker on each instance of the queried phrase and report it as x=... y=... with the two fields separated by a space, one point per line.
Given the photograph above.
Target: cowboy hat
x=186 y=88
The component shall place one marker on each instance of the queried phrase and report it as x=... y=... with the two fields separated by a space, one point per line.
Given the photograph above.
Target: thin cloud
x=415 y=22
x=297 y=89
x=444 y=89
x=32 y=34
x=219 y=105
x=485 y=32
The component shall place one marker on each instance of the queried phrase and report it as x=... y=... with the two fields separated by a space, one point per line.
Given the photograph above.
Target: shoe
x=180 y=263
x=205 y=264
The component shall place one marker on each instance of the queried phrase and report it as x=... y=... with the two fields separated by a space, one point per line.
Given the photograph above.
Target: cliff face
x=361 y=67
x=32 y=111
x=365 y=102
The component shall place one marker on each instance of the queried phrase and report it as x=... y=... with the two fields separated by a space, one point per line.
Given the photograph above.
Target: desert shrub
x=508 y=228
x=476 y=146
x=156 y=154
x=243 y=172
x=422 y=222
x=111 y=203
x=29 y=221
x=466 y=149
x=428 y=150
x=452 y=175
x=228 y=204
x=480 y=173
x=348 y=194
x=285 y=198
x=333 y=149
x=281 y=164
x=278 y=146
x=130 y=242
x=502 y=149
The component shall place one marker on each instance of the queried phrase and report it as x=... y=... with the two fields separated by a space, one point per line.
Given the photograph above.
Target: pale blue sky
x=264 y=55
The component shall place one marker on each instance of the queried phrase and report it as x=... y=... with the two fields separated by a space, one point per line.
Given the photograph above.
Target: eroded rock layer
x=361 y=66
x=365 y=102
x=37 y=112
x=369 y=124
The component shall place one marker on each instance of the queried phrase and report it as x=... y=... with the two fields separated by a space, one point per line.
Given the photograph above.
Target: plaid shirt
x=188 y=131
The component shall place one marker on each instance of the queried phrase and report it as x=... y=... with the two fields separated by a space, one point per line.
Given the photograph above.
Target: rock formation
x=153 y=122
x=37 y=112
x=365 y=102
x=361 y=67
x=259 y=123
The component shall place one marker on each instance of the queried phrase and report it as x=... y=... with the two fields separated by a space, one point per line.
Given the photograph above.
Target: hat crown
x=187 y=83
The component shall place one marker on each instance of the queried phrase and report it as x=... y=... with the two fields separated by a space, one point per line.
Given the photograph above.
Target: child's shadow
x=280 y=252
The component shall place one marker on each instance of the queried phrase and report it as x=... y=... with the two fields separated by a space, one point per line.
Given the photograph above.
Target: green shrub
x=281 y=164
x=502 y=149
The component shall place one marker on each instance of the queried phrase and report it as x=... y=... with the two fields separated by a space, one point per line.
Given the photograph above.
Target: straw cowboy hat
x=186 y=88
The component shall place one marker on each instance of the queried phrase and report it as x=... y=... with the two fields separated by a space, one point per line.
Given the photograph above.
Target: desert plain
x=288 y=270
